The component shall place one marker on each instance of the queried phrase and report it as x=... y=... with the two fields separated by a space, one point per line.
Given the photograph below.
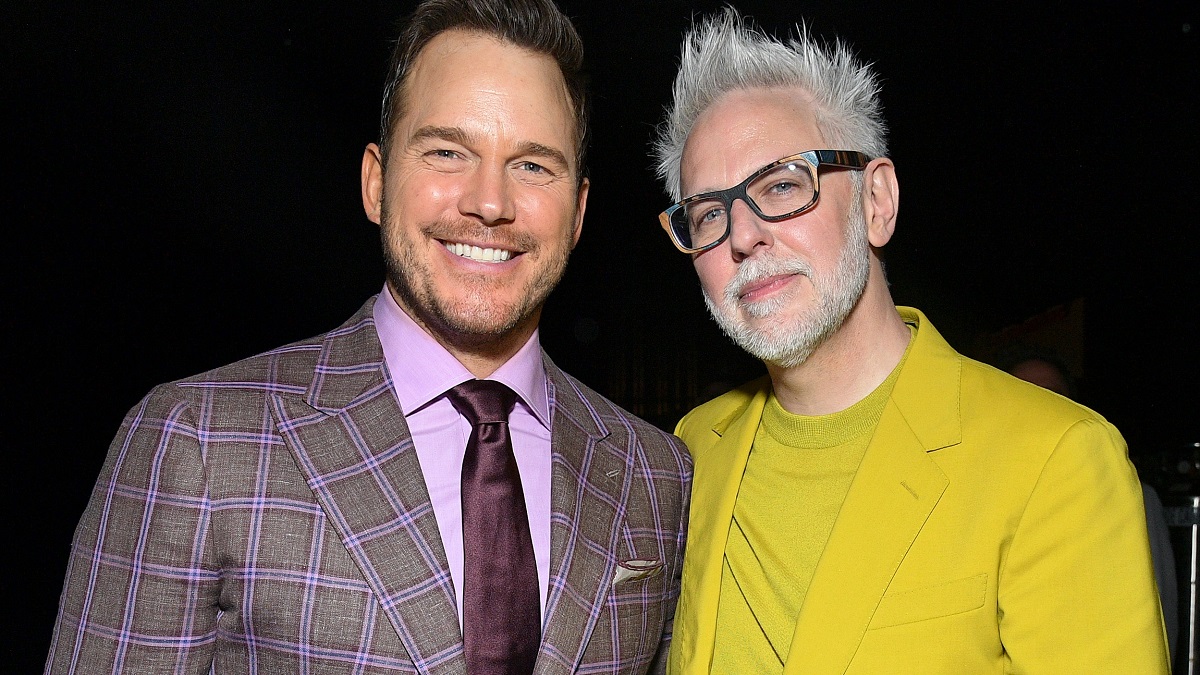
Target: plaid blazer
x=271 y=517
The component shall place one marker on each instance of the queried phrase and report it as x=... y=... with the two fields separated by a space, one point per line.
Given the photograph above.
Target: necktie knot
x=483 y=401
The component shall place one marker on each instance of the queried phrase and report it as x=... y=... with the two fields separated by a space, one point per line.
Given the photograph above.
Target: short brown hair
x=536 y=25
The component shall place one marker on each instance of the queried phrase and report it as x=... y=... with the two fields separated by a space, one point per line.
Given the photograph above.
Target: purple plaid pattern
x=270 y=517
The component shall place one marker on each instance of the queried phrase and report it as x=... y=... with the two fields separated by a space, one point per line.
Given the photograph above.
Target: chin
x=481 y=316
x=480 y=324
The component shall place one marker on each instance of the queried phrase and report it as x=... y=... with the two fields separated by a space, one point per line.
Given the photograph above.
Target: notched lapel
x=720 y=460
x=350 y=439
x=590 y=485
x=896 y=488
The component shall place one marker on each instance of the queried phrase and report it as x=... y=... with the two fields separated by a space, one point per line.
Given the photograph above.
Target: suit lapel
x=894 y=491
x=590 y=483
x=892 y=495
x=718 y=474
x=350 y=439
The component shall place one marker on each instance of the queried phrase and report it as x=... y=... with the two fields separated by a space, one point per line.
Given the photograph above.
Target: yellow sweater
x=796 y=479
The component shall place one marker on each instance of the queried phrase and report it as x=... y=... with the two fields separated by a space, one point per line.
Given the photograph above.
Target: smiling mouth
x=484 y=255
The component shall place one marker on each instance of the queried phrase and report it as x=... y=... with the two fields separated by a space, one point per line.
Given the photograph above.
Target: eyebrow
x=463 y=137
x=538 y=150
x=451 y=134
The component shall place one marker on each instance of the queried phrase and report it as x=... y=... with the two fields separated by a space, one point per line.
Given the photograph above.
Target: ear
x=580 y=207
x=881 y=200
x=372 y=182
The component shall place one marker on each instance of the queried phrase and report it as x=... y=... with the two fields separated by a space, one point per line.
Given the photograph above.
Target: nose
x=747 y=233
x=488 y=196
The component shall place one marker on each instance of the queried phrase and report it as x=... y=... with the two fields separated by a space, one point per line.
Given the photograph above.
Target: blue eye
x=706 y=217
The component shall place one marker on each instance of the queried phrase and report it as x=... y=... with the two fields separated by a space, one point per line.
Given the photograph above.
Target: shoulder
x=621 y=424
x=940 y=388
x=721 y=410
x=993 y=397
x=286 y=370
x=234 y=396
x=1020 y=431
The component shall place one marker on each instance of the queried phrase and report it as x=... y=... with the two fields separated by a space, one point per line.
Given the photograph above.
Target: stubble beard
x=476 y=317
x=789 y=343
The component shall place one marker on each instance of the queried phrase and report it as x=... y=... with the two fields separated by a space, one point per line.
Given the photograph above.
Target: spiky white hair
x=725 y=53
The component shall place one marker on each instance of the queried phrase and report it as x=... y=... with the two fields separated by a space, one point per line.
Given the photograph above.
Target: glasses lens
x=787 y=188
x=699 y=223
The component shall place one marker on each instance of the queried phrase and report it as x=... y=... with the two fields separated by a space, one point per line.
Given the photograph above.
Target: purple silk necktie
x=501 y=610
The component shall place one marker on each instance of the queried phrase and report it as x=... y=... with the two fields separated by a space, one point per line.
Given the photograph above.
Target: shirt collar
x=422 y=370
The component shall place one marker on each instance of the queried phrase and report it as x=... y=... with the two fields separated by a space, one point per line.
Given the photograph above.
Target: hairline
x=568 y=63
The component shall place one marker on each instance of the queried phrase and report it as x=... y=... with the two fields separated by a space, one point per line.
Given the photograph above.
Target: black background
x=181 y=190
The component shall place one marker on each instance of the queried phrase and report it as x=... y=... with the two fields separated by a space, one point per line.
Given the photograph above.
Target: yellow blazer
x=993 y=527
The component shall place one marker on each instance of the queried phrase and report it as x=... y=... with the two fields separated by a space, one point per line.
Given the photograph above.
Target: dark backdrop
x=181 y=190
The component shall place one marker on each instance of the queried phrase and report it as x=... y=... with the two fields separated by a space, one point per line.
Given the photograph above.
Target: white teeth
x=478 y=254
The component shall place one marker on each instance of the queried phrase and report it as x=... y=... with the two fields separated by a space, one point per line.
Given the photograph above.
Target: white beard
x=789 y=342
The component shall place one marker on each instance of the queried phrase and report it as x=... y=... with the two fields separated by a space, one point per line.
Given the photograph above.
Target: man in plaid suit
x=298 y=512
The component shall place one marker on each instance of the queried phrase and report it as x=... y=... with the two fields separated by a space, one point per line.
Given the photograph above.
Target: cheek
x=552 y=217
x=817 y=242
x=423 y=191
x=832 y=248
x=713 y=275
x=438 y=194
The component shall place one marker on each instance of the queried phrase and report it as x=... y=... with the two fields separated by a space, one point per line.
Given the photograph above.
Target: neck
x=480 y=353
x=485 y=358
x=850 y=364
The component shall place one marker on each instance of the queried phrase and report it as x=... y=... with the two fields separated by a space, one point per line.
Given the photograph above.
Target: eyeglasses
x=780 y=190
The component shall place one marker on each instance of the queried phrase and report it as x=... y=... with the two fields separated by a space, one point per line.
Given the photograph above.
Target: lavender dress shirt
x=422 y=371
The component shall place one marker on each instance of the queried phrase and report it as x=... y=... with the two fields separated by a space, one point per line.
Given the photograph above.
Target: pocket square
x=635 y=570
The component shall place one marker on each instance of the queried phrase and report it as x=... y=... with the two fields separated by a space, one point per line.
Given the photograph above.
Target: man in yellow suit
x=878 y=503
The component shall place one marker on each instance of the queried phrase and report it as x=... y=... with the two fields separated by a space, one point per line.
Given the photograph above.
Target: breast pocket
x=629 y=627
x=931 y=602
